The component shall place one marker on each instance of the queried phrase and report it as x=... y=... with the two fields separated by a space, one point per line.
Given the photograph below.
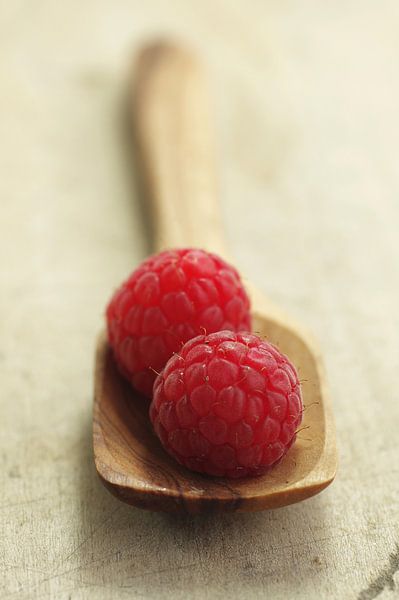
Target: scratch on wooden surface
x=171 y=569
x=5 y=567
x=91 y=535
x=57 y=573
x=384 y=579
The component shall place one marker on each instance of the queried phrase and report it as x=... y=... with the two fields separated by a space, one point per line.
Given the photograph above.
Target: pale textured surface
x=306 y=103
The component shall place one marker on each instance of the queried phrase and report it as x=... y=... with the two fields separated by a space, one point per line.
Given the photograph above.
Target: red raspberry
x=172 y=297
x=228 y=404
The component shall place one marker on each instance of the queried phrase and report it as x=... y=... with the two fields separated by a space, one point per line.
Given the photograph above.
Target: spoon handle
x=175 y=148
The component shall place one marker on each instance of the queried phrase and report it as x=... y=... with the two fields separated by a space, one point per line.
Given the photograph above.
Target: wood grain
x=172 y=127
x=135 y=468
x=169 y=120
x=305 y=101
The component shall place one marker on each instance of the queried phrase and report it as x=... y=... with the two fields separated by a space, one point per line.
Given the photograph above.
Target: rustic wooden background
x=306 y=98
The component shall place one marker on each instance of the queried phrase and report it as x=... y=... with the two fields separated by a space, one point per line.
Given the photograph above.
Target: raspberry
x=228 y=404
x=172 y=297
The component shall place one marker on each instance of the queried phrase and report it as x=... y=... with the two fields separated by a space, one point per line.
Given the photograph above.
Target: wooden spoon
x=174 y=141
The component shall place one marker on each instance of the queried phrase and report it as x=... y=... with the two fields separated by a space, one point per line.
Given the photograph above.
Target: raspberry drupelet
x=172 y=297
x=229 y=404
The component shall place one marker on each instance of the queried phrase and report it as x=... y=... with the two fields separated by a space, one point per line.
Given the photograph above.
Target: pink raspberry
x=229 y=404
x=172 y=297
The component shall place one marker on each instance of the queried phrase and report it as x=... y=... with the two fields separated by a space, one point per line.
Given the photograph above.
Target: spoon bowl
x=133 y=465
x=173 y=138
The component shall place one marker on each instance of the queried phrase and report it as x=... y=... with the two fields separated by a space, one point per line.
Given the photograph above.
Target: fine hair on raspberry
x=170 y=298
x=228 y=404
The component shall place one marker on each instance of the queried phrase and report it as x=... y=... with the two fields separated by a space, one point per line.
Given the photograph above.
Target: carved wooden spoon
x=174 y=143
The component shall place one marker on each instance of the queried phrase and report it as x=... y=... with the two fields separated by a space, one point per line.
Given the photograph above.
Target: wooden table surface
x=306 y=98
